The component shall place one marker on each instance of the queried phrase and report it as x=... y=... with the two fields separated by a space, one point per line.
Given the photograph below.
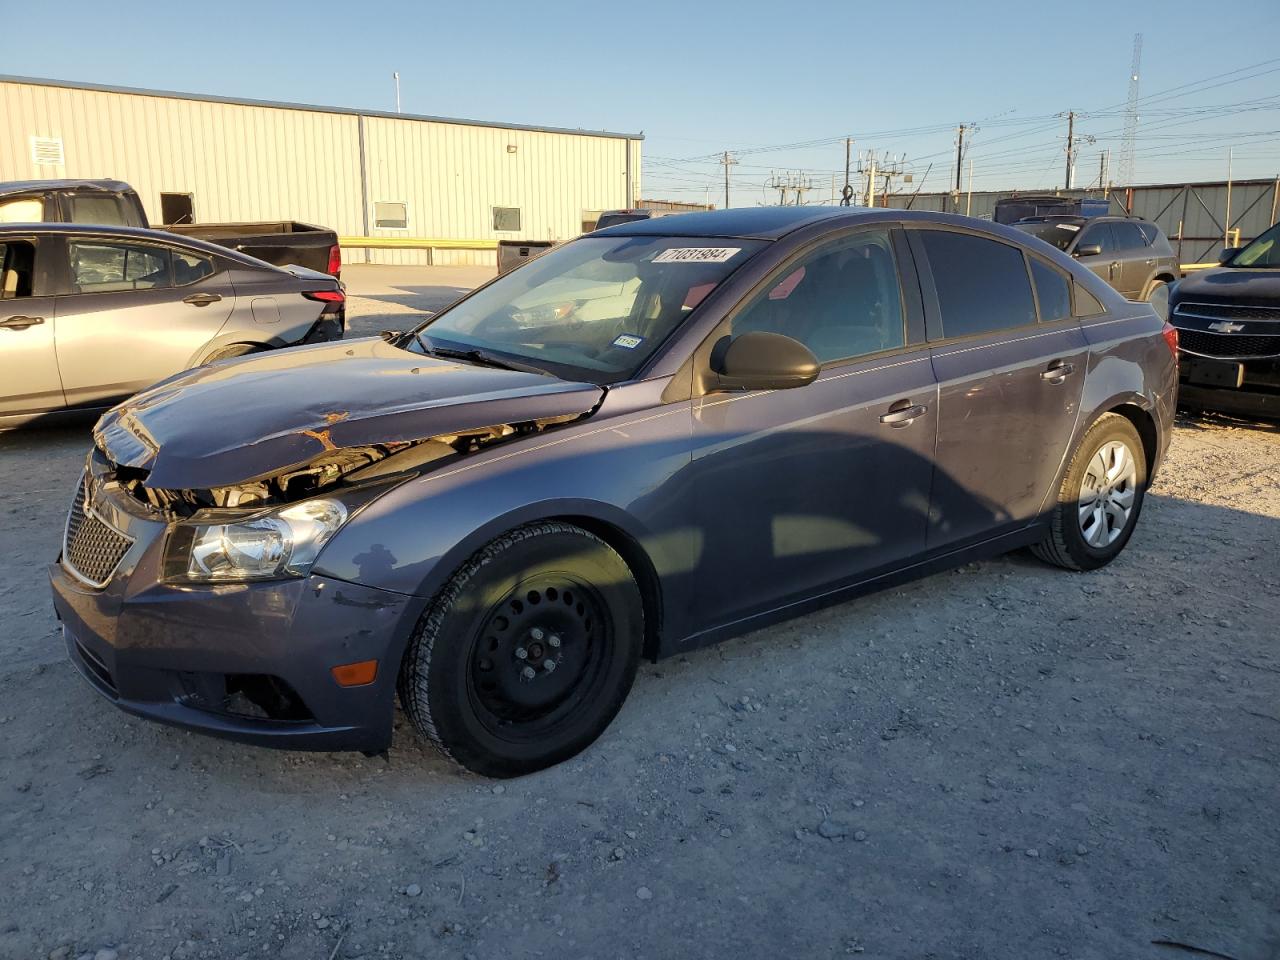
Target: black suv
x=1228 y=321
x=1132 y=255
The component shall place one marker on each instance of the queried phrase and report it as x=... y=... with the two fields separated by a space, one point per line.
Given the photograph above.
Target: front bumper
x=1257 y=395
x=248 y=662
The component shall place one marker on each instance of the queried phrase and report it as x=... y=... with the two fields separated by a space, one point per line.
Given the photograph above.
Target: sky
x=780 y=86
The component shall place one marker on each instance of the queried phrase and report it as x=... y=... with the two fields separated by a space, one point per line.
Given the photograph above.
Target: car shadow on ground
x=1211 y=419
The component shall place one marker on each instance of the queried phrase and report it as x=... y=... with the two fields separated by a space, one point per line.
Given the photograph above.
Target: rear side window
x=111 y=267
x=17 y=269
x=1128 y=236
x=982 y=284
x=1150 y=231
x=1053 y=291
x=189 y=267
x=1087 y=305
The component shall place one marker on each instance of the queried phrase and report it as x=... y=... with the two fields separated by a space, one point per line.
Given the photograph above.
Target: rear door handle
x=20 y=323
x=1057 y=372
x=903 y=413
x=201 y=299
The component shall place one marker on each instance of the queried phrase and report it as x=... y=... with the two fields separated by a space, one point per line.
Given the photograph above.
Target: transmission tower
x=1131 y=115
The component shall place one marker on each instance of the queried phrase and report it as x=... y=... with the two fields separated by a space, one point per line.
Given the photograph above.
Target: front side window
x=840 y=301
x=1099 y=233
x=982 y=284
x=1262 y=252
x=594 y=309
x=1053 y=291
x=17 y=269
x=111 y=267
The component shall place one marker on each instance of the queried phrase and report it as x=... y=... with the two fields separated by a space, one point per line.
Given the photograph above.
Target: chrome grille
x=1226 y=311
x=1227 y=345
x=91 y=549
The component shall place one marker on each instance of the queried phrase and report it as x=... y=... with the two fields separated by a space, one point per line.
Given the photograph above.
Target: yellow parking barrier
x=416 y=243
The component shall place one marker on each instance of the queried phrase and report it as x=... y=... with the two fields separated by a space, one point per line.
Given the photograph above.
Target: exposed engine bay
x=335 y=466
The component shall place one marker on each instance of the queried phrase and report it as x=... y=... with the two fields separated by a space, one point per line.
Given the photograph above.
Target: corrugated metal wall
x=252 y=162
x=1191 y=215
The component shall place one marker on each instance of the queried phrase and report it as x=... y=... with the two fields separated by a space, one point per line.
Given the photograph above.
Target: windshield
x=594 y=309
x=1263 y=252
x=1060 y=233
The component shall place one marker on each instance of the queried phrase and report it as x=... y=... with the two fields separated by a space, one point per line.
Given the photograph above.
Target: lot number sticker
x=696 y=255
x=628 y=341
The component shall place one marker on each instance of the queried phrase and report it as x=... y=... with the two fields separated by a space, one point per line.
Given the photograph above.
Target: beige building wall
x=248 y=161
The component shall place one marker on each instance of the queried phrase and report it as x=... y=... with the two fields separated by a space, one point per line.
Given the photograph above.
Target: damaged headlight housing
x=282 y=543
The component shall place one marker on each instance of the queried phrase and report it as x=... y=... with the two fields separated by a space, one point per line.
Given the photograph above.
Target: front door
x=1105 y=264
x=804 y=489
x=29 y=381
x=1010 y=361
x=134 y=313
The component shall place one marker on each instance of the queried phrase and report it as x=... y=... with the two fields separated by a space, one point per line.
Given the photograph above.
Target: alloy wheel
x=1107 y=494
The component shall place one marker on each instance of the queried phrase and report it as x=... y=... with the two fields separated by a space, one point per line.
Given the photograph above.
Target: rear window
x=97 y=209
x=982 y=284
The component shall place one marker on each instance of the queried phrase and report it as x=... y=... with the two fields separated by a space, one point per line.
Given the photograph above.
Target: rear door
x=29 y=381
x=1105 y=264
x=132 y=313
x=1010 y=361
x=803 y=489
x=1137 y=260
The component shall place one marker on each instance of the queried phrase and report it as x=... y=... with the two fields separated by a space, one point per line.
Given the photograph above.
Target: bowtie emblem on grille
x=1226 y=326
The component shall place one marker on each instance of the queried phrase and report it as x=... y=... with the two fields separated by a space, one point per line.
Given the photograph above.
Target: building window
x=177 y=208
x=391 y=215
x=589 y=219
x=506 y=218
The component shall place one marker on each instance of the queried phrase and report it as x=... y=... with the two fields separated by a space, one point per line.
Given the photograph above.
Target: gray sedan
x=90 y=315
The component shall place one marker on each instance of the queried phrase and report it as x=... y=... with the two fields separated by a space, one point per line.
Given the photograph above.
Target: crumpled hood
x=238 y=421
x=1246 y=286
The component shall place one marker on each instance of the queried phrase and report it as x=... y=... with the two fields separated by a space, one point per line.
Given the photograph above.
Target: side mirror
x=763 y=361
x=391 y=335
x=1088 y=250
x=1227 y=253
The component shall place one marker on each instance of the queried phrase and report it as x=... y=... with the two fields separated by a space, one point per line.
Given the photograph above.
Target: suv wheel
x=1100 y=497
x=527 y=653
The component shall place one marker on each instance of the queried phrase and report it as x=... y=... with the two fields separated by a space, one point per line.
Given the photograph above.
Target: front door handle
x=1057 y=372
x=201 y=299
x=20 y=323
x=903 y=413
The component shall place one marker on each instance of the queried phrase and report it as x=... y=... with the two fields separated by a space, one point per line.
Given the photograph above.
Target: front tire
x=527 y=654
x=1100 y=498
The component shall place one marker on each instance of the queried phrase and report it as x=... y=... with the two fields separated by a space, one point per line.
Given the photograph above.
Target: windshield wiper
x=478 y=357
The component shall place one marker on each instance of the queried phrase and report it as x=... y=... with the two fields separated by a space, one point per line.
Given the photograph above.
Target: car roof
x=10 y=187
x=760 y=223
x=119 y=232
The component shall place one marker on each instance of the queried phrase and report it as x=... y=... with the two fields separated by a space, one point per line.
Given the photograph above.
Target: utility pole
x=968 y=204
x=959 y=166
x=871 y=182
x=1071 y=140
x=396 y=76
x=887 y=168
x=847 y=194
x=1226 y=221
x=728 y=161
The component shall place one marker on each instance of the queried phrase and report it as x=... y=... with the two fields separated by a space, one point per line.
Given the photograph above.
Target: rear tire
x=527 y=654
x=1100 y=497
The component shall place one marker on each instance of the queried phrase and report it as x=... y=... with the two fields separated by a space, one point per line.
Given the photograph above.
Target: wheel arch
x=1144 y=423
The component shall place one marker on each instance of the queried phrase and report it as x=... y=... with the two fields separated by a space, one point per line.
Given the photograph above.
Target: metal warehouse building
x=397 y=188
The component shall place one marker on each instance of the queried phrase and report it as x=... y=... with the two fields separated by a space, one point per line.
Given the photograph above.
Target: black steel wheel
x=527 y=653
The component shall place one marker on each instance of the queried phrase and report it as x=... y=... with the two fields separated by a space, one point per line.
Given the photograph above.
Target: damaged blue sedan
x=655 y=436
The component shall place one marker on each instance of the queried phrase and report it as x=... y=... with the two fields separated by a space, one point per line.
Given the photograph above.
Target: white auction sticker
x=1068 y=226
x=696 y=255
x=628 y=341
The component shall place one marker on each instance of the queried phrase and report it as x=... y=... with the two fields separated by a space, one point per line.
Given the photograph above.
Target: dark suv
x=1228 y=321
x=1132 y=255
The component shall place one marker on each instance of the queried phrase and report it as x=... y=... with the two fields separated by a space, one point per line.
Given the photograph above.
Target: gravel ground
x=1007 y=761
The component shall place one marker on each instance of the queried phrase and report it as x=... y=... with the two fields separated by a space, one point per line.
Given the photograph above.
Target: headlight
x=284 y=543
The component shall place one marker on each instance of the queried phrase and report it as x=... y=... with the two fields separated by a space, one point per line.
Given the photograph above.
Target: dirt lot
x=1007 y=761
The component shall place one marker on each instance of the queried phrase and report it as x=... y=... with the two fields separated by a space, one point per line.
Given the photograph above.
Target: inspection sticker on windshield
x=697 y=255
x=628 y=341
x=1068 y=226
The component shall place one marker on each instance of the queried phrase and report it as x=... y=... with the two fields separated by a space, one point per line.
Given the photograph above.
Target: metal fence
x=1196 y=217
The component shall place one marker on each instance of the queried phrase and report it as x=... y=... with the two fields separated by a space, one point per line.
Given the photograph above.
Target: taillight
x=335 y=261
x=1170 y=334
x=328 y=296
